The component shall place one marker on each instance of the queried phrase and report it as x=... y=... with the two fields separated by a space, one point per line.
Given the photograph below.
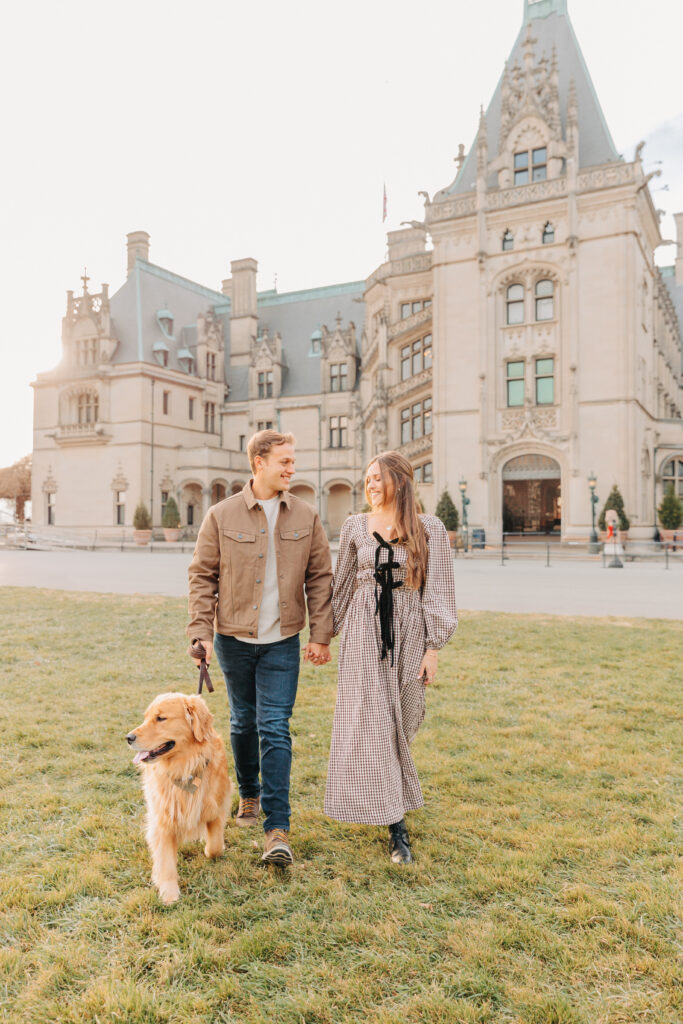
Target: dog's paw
x=169 y=892
x=213 y=850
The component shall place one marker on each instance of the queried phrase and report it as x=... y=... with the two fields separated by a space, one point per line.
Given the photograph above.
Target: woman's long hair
x=396 y=470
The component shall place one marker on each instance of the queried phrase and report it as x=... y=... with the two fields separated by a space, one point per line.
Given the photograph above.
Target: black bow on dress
x=384 y=593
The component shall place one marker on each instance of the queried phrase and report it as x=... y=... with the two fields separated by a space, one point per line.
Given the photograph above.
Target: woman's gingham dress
x=371 y=777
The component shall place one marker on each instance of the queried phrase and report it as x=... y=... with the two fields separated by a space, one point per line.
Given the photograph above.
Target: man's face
x=275 y=470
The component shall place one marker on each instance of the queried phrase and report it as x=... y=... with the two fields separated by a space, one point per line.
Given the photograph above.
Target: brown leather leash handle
x=198 y=650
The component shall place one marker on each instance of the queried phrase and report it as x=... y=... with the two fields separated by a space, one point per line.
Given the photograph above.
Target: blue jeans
x=261 y=680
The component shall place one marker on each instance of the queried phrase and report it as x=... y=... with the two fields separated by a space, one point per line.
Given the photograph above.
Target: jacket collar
x=250 y=499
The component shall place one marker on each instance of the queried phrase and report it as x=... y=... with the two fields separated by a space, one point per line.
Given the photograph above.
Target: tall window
x=338 y=376
x=264 y=425
x=265 y=384
x=190 y=515
x=515 y=383
x=672 y=473
x=211 y=365
x=164 y=502
x=416 y=420
x=120 y=507
x=86 y=351
x=166 y=402
x=515 y=304
x=210 y=417
x=190 y=408
x=531 y=165
x=508 y=241
x=243 y=442
x=545 y=381
x=50 y=508
x=545 y=300
x=416 y=357
x=87 y=407
x=339 y=426
x=548 y=234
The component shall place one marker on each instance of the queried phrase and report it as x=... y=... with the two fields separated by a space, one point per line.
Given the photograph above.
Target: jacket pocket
x=240 y=536
x=304 y=531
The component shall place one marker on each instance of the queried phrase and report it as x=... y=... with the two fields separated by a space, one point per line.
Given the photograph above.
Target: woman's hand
x=428 y=667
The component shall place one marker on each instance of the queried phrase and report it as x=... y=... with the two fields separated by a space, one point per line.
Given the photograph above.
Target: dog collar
x=190 y=783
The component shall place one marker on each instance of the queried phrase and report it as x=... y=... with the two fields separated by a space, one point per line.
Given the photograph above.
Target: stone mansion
x=515 y=340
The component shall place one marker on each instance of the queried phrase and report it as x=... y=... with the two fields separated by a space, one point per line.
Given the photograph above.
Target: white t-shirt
x=269 y=613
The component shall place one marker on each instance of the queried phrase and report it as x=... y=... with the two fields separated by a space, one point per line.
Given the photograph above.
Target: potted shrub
x=142 y=525
x=616 y=502
x=171 y=520
x=670 y=514
x=448 y=514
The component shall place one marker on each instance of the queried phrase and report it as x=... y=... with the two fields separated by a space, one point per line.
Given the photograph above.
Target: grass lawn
x=544 y=889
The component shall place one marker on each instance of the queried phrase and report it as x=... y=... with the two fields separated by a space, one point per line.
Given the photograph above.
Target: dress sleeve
x=438 y=593
x=344 y=576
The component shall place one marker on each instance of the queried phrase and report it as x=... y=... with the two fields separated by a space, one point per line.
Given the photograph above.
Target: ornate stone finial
x=85 y=280
x=482 y=144
x=528 y=50
x=460 y=158
x=338 y=318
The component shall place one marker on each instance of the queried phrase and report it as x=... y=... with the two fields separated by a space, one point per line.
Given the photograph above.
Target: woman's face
x=374 y=486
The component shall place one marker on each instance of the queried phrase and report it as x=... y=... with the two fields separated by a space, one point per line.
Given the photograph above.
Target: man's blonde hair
x=263 y=441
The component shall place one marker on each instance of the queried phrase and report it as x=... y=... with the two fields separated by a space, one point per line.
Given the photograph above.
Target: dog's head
x=173 y=722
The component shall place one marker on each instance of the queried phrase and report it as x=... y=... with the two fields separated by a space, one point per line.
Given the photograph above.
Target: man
x=256 y=554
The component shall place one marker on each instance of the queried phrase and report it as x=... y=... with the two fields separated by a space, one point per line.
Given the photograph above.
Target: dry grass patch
x=544 y=888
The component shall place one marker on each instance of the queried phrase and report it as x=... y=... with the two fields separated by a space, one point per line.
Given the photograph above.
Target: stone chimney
x=678 y=217
x=138 y=245
x=243 y=316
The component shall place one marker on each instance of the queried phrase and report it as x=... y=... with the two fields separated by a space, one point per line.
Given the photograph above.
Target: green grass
x=544 y=889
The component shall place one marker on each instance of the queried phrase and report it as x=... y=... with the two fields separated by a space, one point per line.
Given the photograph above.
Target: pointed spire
x=482 y=145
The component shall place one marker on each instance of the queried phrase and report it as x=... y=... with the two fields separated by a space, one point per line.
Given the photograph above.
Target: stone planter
x=672 y=536
x=453 y=537
x=171 y=534
x=142 y=537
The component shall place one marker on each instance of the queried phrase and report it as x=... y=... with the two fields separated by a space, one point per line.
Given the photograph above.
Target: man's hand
x=427 y=671
x=208 y=647
x=319 y=654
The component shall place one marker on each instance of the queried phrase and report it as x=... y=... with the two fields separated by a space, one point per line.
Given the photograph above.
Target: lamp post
x=594 y=546
x=465 y=502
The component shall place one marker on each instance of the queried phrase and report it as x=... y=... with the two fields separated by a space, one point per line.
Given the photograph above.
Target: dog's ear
x=199 y=717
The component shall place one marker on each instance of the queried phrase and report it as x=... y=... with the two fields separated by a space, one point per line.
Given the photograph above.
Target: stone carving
x=445 y=210
x=530 y=421
x=412 y=384
x=417 y=447
x=422 y=316
x=119 y=483
x=530 y=90
x=49 y=484
x=606 y=177
x=520 y=194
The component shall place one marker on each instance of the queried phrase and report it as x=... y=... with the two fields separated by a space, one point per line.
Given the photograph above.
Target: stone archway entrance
x=339 y=506
x=532 y=496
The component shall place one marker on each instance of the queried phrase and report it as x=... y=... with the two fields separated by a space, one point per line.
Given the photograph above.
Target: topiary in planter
x=142 y=519
x=171 y=517
x=447 y=512
x=671 y=510
x=616 y=502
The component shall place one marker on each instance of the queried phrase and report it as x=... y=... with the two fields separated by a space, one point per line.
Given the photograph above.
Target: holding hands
x=318 y=654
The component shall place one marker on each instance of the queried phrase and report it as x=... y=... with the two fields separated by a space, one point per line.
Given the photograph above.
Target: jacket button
x=239 y=536
x=251 y=632
x=254 y=606
x=261 y=556
x=258 y=581
x=262 y=530
x=296 y=534
x=284 y=604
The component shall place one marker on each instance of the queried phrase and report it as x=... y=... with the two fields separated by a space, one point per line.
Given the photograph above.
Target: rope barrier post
x=547 y=556
x=666 y=555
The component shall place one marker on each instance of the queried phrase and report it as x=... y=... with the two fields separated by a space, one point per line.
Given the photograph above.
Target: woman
x=394 y=602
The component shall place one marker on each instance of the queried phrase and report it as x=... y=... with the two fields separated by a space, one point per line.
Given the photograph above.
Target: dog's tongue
x=140 y=756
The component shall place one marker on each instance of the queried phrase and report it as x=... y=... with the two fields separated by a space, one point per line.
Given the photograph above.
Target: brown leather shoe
x=276 y=849
x=248 y=811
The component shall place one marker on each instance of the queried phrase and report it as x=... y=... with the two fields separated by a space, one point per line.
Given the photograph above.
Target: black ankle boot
x=399 y=843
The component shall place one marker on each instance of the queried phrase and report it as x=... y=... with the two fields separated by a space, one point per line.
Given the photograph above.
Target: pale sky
x=264 y=129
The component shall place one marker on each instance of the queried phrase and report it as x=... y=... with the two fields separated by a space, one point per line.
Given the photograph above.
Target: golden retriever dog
x=185 y=781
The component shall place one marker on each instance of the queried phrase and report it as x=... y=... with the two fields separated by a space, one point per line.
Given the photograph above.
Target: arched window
x=548 y=233
x=515 y=304
x=672 y=473
x=545 y=300
x=508 y=241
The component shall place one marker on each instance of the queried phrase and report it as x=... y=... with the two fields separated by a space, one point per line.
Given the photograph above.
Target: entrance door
x=532 y=499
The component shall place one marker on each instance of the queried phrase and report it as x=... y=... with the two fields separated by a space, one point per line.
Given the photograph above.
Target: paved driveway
x=644 y=589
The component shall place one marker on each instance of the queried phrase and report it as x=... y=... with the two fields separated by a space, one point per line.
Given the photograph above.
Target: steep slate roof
x=676 y=293
x=549 y=29
x=295 y=315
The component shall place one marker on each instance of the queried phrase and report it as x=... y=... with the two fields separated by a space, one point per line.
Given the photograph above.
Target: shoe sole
x=279 y=855
x=246 y=822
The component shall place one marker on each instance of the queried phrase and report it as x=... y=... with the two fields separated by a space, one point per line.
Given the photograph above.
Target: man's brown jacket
x=228 y=569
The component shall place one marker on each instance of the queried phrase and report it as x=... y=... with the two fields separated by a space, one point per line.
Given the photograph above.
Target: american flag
x=384 y=204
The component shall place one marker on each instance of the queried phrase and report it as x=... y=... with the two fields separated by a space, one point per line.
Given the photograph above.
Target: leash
x=198 y=650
